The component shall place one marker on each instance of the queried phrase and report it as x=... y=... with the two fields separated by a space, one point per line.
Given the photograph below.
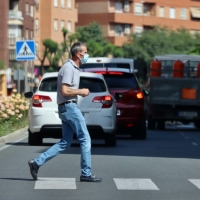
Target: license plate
x=187 y=114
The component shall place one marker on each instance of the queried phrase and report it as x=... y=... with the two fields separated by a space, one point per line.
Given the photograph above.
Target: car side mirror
x=118 y=95
x=28 y=95
x=146 y=92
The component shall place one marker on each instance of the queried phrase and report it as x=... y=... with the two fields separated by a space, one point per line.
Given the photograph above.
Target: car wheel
x=139 y=132
x=161 y=125
x=151 y=123
x=110 y=140
x=34 y=139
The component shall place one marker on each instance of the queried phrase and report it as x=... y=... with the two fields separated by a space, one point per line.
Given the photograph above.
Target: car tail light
x=105 y=100
x=113 y=73
x=118 y=73
x=37 y=100
x=140 y=95
x=101 y=72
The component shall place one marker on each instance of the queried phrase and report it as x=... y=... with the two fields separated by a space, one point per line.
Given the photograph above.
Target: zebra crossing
x=45 y=183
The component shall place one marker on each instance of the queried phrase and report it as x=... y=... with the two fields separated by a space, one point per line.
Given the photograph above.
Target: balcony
x=15 y=15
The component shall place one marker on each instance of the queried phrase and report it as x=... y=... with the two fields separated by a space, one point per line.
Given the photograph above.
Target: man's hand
x=84 y=92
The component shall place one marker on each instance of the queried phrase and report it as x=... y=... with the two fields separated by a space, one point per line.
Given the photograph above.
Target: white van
x=105 y=62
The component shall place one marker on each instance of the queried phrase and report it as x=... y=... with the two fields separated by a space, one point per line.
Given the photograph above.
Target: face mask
x=84 y=59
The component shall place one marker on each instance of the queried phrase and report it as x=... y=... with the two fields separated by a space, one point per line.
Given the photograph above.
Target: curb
x=12 y=136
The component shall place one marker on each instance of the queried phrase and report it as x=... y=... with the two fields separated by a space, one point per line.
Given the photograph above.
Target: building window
x=27 y=9
x=27 y=34
x=145 y=9
x=138 y=9
x=37 y=5
x=69 y=26
x=162 y=12
x=62 y=24
x=138 y=30
x=36 y=27
x=62 y=3
x=118 y=7
x=55 y=25
x=55 y=3
x=172 y=13
x=183 y=13
x=118 y=30
x=126 y=6
x=31 y=11
x=127 y=29
x=69 y=4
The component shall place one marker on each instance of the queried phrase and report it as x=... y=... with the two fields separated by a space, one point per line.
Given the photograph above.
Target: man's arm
x=67 y=91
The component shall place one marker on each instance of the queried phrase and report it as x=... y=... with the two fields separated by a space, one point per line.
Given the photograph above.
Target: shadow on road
x=170 y=143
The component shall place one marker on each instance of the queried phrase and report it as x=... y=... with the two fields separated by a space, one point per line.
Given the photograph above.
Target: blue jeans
x=72 y=122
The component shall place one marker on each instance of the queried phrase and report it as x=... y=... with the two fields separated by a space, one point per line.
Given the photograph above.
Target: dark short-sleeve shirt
x=68 y=74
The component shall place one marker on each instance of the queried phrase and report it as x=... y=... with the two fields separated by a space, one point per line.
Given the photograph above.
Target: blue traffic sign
x=25 y=50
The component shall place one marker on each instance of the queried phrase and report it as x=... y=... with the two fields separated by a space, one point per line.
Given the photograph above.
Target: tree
x=45 y=53
x=2 y=64
x=158 y=41
x=97 y=45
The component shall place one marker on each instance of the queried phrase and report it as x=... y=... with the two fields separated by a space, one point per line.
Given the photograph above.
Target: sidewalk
x=13 y=136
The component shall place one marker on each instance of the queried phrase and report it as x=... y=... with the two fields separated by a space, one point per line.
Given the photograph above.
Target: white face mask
x=84 y=59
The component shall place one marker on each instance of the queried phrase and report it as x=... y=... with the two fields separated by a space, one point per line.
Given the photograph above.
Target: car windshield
x=93 y=84
x=126 y=80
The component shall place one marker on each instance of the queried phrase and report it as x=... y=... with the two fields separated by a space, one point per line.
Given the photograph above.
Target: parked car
x=98 y=108
x=131 y=106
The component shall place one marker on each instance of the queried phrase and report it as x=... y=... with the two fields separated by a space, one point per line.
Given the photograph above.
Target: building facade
x=50 y=18
x=20 y=25
x=17 y=23
x=120 y=18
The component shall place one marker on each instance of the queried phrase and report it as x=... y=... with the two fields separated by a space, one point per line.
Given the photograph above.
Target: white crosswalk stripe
x=121 y=183
x=135 y=184
x=196 y=182
x=55 y=183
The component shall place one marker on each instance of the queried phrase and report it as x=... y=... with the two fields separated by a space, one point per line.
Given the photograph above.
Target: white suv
x=98 y=108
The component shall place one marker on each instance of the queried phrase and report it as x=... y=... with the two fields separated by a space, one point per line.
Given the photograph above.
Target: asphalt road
x=166 y=166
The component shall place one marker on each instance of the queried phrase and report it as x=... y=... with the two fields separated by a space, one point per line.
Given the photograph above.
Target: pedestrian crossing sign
x=25 y=50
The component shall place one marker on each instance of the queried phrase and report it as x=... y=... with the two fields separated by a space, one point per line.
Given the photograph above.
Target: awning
x=195 y=11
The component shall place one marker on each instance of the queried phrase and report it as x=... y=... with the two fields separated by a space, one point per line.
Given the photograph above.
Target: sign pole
x=25 y=76
x=18 y=80
x=25 y=51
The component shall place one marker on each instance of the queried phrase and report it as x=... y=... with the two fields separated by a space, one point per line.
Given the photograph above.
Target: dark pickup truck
x=174 y=90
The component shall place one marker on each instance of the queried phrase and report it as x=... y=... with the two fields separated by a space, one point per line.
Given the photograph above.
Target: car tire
x=151 y=123
x=110 y=140
x=161 y=125
x=139 y=132
x=34 y=139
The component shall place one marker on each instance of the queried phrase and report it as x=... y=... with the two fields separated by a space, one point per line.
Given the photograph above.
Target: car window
x=93 y=84
x=48 y=85
x=125 y=80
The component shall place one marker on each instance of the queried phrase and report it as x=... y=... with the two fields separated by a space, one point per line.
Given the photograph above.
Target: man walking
x=72 y=118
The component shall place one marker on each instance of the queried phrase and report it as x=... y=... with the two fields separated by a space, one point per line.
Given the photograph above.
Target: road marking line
x=16 y=141
x=135 y=184
x=55 y=183
x=196 y=182
x=195 y=144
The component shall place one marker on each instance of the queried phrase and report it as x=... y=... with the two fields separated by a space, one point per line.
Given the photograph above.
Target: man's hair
x=76 y=47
